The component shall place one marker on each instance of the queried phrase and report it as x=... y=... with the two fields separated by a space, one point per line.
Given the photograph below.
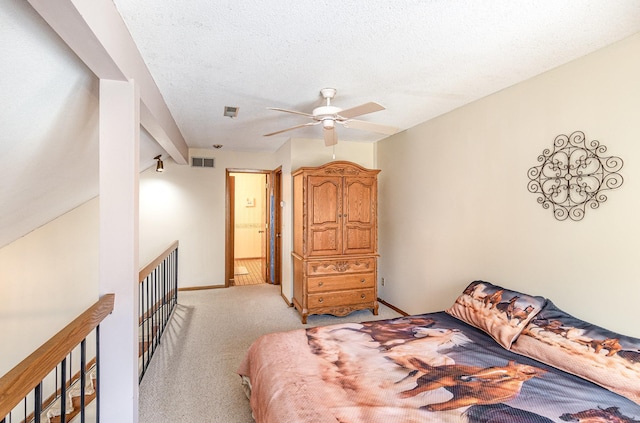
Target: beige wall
x=51 y=275
x=47 y=278
x=453 y=207
x=454 y=204
x=283 y=159
x=311 y=152
x=188 y=204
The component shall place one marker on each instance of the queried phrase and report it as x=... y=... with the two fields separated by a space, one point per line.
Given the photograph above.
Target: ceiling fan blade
x=330 y=137
x=371 y=126
x=291 y=129
x=290 y=111
x=360 y=110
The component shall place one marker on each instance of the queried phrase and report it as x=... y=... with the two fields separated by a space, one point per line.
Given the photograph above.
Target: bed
x=496 y=355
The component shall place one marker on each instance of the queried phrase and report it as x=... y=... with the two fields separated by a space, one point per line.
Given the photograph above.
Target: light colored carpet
x=192 y=376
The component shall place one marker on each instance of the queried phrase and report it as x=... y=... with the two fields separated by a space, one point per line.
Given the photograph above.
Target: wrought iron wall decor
x=573 y=176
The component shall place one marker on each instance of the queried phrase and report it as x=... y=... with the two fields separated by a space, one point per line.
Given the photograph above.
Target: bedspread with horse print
x=424 y=368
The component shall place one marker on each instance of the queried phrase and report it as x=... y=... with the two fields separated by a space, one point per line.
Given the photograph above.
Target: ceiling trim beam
x=97 y=34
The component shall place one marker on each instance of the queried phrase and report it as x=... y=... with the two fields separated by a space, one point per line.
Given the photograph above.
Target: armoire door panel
x=325 y=194
x=359 y=194
x=324 y=220
x=358 y=240
x=359 y=215
x=325 y=241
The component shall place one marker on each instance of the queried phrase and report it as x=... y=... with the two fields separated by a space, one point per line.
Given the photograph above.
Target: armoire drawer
x=341 y=282
x=340 y=266
x=341 y=298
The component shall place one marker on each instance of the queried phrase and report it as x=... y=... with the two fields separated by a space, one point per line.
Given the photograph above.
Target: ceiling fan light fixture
x=328 y=123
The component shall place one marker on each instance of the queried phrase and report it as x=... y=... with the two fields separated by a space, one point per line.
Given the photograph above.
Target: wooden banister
x=24 y=377
x=149 y=267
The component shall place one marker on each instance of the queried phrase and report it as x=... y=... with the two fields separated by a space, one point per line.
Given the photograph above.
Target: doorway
x=253 y=227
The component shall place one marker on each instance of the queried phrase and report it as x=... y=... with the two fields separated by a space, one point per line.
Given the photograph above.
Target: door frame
x=276 y=190
x=230 y=223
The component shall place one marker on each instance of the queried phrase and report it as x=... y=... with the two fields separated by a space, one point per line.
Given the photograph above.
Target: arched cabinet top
x=341 y=168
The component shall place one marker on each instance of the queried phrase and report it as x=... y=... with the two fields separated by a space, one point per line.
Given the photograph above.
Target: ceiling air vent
x=231 y=111
x=203 y=162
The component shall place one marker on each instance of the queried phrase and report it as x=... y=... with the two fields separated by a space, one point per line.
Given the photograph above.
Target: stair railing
x=50 y=385
x=158 y=298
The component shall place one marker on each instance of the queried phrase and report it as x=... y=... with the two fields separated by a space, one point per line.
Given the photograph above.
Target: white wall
x=48 y=278
x=454 y=204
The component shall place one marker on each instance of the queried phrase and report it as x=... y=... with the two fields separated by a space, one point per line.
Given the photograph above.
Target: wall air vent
x=203 y=162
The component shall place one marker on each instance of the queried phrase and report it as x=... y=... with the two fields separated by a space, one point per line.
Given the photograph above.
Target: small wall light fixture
x=159 y=164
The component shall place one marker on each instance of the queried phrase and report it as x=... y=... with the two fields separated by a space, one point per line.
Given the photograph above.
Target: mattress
x=423 y=368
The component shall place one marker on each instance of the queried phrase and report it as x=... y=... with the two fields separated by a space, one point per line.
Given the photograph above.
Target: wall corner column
x=119 y=136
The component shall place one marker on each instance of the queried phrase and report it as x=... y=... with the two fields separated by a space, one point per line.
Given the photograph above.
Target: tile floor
x=254 y=266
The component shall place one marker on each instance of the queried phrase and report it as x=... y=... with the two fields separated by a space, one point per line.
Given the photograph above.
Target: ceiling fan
x=329 y=115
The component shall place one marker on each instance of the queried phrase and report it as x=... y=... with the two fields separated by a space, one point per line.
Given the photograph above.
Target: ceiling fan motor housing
x=323 y=112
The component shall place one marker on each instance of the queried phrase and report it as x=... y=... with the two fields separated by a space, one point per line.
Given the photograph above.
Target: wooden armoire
x=335 y=239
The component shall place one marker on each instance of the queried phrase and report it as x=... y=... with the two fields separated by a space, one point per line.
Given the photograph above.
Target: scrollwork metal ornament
x=573 y=176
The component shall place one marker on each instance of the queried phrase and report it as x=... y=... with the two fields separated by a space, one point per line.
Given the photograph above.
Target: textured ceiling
x=418 y=58
x=48 y=125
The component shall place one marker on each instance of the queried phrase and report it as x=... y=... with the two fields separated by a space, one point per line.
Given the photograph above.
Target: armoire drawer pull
x=363 y=296
x=320 y=300
x=362 y=280
x=320 y=283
